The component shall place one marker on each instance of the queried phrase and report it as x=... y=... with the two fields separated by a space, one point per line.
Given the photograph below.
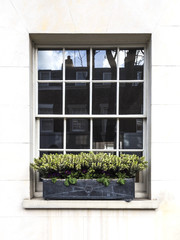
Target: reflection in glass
x=77 y=98
x=104 y=133
x=50 y=64
x=104 y=64
x=49 y=98
x=131 y=133
x=131 y=64
x=104 y=98
x=77 y=64
x=78 y=133
x=51 y=133
x=131 y=98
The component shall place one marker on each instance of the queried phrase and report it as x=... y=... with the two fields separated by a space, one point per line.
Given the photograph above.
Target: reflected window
x=104 y=64
x=49 y=98
x=78 y=133
x=104 y=133
x=131 y=98
x=131 y=133
x=77 y=98
x=131 y=64
x=77 y=64
x=104 y=98
x=51 y=133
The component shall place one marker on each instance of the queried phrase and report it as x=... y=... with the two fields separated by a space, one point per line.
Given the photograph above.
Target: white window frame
x=142 y=187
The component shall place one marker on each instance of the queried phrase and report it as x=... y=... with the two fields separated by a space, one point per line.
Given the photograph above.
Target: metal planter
x=88 y=189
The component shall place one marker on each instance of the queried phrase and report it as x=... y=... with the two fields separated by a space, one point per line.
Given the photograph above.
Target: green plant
x=101 y=166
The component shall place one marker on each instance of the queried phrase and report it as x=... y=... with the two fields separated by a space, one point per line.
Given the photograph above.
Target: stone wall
x=18 y=19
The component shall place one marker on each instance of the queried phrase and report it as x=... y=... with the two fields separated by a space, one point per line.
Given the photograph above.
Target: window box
x=88 y=189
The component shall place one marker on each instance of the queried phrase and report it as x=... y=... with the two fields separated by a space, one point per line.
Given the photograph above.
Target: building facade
x=119 y=62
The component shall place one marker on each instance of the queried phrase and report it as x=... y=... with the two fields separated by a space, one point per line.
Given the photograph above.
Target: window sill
x=40 y=203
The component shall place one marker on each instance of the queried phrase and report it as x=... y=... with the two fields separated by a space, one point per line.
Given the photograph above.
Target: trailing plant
x=100 y=166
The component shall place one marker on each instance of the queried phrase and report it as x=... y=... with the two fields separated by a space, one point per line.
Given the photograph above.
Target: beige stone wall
x=19 y=18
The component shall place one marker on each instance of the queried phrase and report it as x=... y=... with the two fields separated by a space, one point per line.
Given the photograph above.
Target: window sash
x=139 y=186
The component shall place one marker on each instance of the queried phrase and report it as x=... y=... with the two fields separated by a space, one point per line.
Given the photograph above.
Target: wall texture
x=19 y=18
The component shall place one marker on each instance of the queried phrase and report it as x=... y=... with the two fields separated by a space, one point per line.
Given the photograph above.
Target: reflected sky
x=78 y=57
x=50 y=59
x=100 y=58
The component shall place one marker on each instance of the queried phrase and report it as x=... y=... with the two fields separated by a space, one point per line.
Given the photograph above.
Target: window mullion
x=117 y=104
x=90 y=101
x=64 y=137
x=63 y=105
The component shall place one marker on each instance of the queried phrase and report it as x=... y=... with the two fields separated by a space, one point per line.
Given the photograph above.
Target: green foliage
x=101 y=166
x=104 y=180
x=54 y=180
x=121 y=181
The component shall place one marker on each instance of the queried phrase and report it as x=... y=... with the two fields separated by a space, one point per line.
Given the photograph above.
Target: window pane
x=78 y=134
x=50 y=64
x=51 y=133
x=139 y=154
x=104 y=133
x=131 y=133
x=77 y=64
x=131 y=64
x=49 y=98
x=104 y=98
x=104 y=64
x=131 y=98
x=77 y=98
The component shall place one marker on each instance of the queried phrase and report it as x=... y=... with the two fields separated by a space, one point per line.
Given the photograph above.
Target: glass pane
x=104 y=98
x=131 y=64
x=77 y=98
x=49 y=98
x=51 y=133
x=104 y=133
x=104 y=64
x=131 y=133
x=78 y=134
x=77 y=64
x=50 y=64
x=131 y=98
x=139 y=154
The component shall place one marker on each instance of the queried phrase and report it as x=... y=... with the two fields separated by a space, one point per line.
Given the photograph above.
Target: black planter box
x=88 y=189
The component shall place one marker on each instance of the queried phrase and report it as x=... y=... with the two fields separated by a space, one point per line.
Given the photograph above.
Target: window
x=92 y=99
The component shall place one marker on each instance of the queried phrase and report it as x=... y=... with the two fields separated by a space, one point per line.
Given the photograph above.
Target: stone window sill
x=40 y=203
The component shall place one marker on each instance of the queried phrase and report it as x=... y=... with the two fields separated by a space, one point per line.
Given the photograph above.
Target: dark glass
x=78 y=134
x=131 y=98
x=131 y=64
x=50 y=64
x=77 y=64
x=139 y=154
x=131 y=133
x=104 y=133
x=51 y=133
x=104 y=98
x=77 y=98
x=104 y=64
x=49 y=98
